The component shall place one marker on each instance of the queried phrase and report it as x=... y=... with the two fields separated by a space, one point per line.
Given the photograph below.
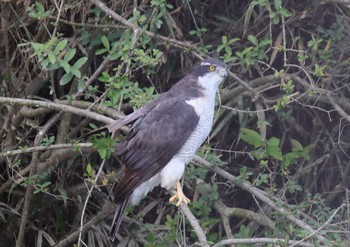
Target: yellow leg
x=179 y=195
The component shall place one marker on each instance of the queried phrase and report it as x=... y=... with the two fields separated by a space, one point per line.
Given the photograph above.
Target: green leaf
x=38 y=46
x=66 y=78
x=69 y=54
x=285 y=12
x=296 y=145
x=88 y=170
x=75 y=72
x=115 y=55
x=276 y=20
x=278 y=4
x=273 y=148
x=234 y=40
x=224 y=39
x=265 y=42
x=253 y=39
x=40 y=7
x=104 y=77
x=105 y=146
x=105 y=42
x=64 y=65
x=252 y=137
x=246 y=50
x=273 y=141
x=51 y=56
x=102 y=153
x=60 y=46
x=81 y=61
x=101 y=51
x=289 y=159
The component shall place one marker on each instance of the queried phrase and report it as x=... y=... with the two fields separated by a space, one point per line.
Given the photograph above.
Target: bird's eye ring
x=211 y=68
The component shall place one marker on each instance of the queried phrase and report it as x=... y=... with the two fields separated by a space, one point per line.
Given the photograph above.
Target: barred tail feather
x=118 y=216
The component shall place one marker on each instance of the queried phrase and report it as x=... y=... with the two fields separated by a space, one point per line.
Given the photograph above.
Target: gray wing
x=154 y=140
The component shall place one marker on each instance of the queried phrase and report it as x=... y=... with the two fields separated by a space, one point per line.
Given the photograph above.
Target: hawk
x=165 y=136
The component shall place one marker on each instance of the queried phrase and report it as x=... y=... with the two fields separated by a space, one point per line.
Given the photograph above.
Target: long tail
x=118 y=216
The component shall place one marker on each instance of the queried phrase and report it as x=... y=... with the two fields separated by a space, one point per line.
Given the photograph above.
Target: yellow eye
x=211 y=68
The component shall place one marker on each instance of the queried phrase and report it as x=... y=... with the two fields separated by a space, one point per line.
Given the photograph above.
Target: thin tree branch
x=320 y=228
x=70 y=239
x=56 y=106
x=278 y=241
x=134 y=27
x=243 y=213
x=42 y=148
x=338 y=108
x=55 y=159
x=93 y=185
x=93 y=77
x=29 y=190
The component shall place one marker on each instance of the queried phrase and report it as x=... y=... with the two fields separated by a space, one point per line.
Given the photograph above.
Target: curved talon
x=179 y=195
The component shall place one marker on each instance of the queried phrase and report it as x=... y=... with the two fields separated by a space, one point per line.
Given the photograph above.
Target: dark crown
x=207 y=65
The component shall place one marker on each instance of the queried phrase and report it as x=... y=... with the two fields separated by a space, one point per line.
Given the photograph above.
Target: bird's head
x=210 y=73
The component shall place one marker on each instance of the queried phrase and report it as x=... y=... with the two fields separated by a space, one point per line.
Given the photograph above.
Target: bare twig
x=134 y=27
x=93 y=185
x=70 y=239
x=42 y=148
x=338 y=108
x=319 y=229
x=93 y=77
x=56 y=106
x=281 y=242
x=51 y=163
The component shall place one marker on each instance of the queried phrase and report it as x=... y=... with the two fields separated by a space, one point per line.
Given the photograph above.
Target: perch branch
x=195 y=225
x=259 y=194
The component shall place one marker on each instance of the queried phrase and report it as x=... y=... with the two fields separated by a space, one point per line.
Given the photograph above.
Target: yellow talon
x=179 y=195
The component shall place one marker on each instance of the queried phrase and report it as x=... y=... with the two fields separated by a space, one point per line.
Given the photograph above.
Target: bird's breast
x=204 y=108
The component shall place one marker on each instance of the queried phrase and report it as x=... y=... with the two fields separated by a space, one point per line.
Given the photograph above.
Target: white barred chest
x=204 y=108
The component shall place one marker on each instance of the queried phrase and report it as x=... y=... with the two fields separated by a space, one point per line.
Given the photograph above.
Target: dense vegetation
x=275 y=169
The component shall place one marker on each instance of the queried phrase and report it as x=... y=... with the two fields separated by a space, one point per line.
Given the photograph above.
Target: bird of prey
x=165 y=136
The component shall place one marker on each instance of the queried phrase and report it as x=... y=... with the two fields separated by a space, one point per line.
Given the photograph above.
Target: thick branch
x=243 y=213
